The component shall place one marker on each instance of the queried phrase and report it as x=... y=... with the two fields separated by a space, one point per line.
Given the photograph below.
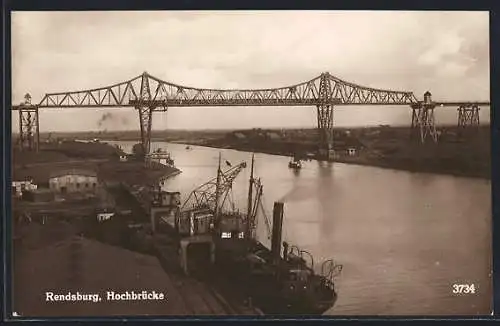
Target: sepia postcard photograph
x=250 y=163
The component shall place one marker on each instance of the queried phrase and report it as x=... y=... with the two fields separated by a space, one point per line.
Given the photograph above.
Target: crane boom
x=215 y=190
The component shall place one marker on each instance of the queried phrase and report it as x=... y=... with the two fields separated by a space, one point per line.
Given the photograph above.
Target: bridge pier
x=145 y=121
x=29 y=127
x=422 y=119
x=468 y=117
x=422 y=122
x=325 y=129
x=146 y=105
x=324 y=112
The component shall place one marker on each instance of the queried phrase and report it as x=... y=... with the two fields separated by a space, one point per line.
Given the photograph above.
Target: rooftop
x=73 y=171
x=42 y=172
x=134 y=172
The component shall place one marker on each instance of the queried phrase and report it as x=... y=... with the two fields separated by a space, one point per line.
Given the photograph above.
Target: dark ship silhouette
x=278 y=280
x=220 y=246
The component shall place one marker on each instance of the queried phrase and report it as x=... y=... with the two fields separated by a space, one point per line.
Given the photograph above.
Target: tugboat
x=275 y=280
x=295 y=163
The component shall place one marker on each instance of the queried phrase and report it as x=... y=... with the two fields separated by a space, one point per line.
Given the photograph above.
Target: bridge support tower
x=325 y=117
x=145 y=106
x=422 y=120
x=468 y=118
x=29 y=135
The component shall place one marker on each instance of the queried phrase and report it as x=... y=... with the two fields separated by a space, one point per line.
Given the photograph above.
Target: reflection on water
x=403 y=238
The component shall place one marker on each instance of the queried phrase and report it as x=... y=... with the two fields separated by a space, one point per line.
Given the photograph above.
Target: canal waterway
x=403 y=238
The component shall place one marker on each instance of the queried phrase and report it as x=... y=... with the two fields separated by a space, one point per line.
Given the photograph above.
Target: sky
x=446 y=53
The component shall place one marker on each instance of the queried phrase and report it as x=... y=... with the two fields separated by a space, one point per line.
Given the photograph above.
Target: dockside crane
x=217 y=192
x=214 y=193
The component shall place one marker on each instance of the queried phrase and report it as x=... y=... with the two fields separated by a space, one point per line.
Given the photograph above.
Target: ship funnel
x=277 y=231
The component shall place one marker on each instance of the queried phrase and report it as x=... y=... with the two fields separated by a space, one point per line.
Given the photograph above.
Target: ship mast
x=250 y=200
x=217 y=194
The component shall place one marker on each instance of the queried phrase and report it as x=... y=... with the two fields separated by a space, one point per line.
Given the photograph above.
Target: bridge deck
x=468 y=103
x=201 y=103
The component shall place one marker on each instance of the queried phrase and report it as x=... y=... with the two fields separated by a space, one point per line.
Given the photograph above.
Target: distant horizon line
x=248 y=128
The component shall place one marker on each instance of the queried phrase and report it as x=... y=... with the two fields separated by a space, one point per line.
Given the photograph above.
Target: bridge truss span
x=166 y=94
x=148 y=94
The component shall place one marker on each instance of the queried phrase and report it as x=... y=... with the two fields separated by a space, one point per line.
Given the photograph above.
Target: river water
x=403 y=238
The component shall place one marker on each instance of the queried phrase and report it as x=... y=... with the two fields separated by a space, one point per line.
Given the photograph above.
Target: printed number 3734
x=464 y=288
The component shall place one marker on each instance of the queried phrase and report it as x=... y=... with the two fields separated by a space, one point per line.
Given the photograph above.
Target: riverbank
x=413 y=167
x=456 y=153
x=390 y=148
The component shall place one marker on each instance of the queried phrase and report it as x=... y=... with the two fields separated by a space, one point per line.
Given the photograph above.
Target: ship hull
x=260 y=285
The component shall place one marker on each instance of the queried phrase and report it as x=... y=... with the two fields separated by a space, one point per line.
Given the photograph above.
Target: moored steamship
x=221 y=246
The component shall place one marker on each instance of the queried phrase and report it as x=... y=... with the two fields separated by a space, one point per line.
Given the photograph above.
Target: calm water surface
x=403 y=238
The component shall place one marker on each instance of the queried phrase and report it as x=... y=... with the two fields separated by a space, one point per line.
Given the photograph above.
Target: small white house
x=104 y=216
x=19 y=186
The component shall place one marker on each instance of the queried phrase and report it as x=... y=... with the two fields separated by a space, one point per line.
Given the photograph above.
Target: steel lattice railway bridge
x=148 y=94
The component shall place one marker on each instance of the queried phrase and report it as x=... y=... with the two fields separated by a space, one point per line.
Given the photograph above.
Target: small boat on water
x=295 y=163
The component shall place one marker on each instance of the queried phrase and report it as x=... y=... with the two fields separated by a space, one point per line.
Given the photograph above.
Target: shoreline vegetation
x=464 y=153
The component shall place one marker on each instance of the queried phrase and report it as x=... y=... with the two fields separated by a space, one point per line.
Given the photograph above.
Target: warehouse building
x=73 y=180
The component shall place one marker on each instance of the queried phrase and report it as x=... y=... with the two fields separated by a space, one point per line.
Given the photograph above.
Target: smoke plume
x=297 y=193
x=110 y=119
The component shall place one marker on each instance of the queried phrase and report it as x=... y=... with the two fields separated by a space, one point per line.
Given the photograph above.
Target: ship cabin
x=297 y=279
x=196 y=221
x=294 y=270
x=232 y=226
